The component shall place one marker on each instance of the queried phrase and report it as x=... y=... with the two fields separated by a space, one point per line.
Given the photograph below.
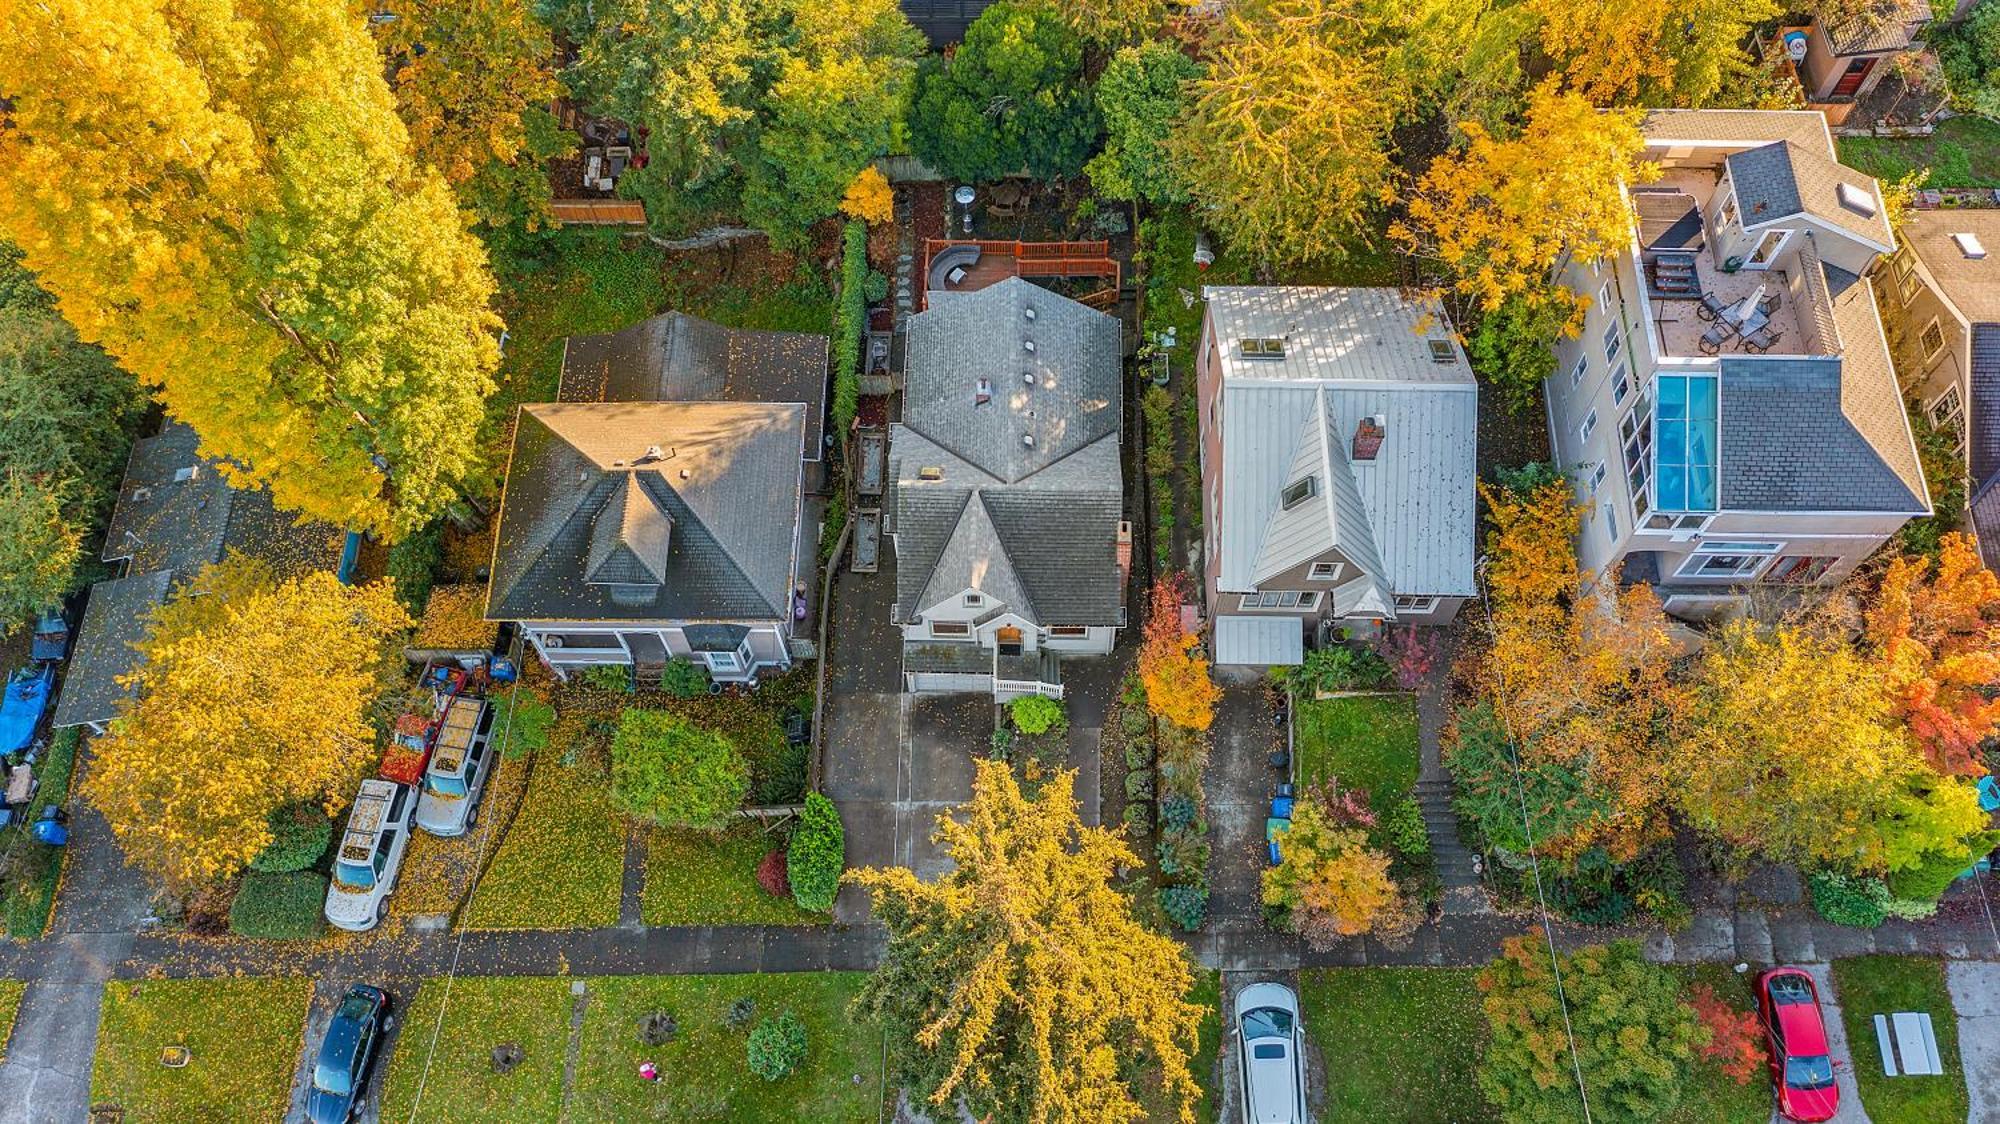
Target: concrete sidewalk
x=1975 y=996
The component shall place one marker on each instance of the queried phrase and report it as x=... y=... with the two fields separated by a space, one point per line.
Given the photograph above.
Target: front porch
x=944 y=668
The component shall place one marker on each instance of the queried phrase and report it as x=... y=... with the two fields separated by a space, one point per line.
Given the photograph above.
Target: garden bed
x=704 y=1073
x=32 y=884
x=710 y=878
x=481 y=1013
x=240 y=1067
x=1867 y=986
x=1397 y=1043
x=1367 y=741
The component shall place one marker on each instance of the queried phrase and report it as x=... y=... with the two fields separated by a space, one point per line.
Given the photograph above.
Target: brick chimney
x=1368 y=436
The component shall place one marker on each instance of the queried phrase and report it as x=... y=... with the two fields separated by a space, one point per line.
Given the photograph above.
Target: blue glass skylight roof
x=1684 y=452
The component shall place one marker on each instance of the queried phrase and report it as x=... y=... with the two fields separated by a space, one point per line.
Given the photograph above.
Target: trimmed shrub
x=607 y=677
x=817 y=855
x=300 y=832
x=1038 y=714
x=1138 y=818
x=777 y=1047
x=279 y=907
x=1859 y=900
x=683 y=678
x=674 y=773
x=1402 y=827
x=1929 y=879
x=1185 y=906
x=1136 y=723
x=1139 y=785
x=1178 y=812
x=876 y=287
x=740 y=1012
x=771 y=875
x=852 y=321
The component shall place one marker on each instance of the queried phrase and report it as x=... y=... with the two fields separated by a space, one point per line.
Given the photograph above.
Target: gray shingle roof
x=1782 y=179
x=674 y=357
x=1983 y=419
x=727 y=480
x=999 y=334
x=1972 y=285
x=1788 y=445
x=114 y=619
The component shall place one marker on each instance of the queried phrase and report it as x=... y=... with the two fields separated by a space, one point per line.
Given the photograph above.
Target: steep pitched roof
x=1333 y=518
x=704 y=529
x=1003 y=334
x=1972 y=285
x=1793 y=439
x=1782 y=179
x=674 y=357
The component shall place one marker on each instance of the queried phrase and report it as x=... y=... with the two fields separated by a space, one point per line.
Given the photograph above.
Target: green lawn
x=244 y=1037
x=710 y=878
x=1964 y=152
x=563 y=859
x=1369 y=741
x=1711 y=1097
x=481 y=1013
x=704 y=1071
x=1399 y=1044
x=10 y=1006
x=31 y=894
x=1880 y=985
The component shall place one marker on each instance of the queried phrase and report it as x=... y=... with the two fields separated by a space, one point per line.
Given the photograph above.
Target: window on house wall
x=974 y=600
x=1621 y=383
x=1588 y=427
x=1729 y=209
x=1635 y=436
x=1728 y=559
x=1908 y=280
x=1799 y=569
x=1948 y=409
x=950 y=628
x=1280 y=599
x=588 y=641
x=1610 y=523
x=1613 y=341
x=1326 y=571
x=1604 y=297
x=1595 y=478
x=1932 y=339
x=1299 y=491
x=1416 y=606
x=1577 y=372
x=1068 y=632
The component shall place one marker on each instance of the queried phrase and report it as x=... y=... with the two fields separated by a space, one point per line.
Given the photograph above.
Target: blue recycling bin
x=50 y=829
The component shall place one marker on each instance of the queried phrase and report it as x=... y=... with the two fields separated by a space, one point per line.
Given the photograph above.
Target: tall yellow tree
x=1288 y=142
x=1112 y=23
x=1649 y=52
x=1503 y=216
x=1020 y=980
x=254 y=692
x=252 y=240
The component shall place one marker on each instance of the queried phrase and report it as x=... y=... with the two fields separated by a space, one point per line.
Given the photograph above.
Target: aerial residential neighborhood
x=1043 y=561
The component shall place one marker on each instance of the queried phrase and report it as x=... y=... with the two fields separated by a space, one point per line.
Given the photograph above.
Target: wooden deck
x=1000 y=260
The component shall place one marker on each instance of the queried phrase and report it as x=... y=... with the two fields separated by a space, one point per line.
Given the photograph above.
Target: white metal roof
x=1274 y=641
x=1339 y=334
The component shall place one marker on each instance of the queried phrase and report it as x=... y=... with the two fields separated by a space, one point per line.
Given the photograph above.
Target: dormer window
x=1299 y=491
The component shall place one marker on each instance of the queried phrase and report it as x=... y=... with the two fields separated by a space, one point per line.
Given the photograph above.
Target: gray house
x=175 y=514
x=1339 y=428
x=1007 y=514
x=659 y=510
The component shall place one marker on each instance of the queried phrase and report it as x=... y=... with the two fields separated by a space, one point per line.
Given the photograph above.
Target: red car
x=1801 y=1068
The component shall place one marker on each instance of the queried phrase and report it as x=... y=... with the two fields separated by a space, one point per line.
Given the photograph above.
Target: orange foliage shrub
x=1939 y=633
x=1178 y=688
x=1735 y=1041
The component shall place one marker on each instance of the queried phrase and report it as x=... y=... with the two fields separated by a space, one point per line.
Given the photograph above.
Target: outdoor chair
x=1762 y=340
x=1771 y=302
x=1711 y=307
x=1713 y=339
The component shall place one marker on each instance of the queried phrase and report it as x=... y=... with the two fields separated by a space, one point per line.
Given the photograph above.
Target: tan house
x=1846 y=59
x=1943 y=288
x=1339 y=428
x=1730 y=413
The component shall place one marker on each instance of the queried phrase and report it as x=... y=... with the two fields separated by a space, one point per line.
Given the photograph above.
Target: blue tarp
x=21 y=711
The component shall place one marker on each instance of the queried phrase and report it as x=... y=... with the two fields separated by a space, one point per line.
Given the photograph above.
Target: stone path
x=1975 y=995
x=1463 y=893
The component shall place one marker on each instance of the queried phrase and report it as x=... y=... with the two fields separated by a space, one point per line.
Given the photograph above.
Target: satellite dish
x=1795 y=45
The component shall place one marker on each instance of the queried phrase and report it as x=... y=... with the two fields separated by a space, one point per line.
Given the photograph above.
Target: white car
x=1270 y=1039
x=370 y=856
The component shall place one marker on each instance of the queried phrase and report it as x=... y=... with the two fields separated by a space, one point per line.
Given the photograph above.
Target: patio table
x=1745 y=316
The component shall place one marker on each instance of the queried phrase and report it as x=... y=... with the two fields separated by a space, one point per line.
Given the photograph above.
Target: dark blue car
x=340 y=1074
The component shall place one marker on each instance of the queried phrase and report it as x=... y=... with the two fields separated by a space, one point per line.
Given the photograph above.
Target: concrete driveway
x=1975 y=995
x=1851 y=1111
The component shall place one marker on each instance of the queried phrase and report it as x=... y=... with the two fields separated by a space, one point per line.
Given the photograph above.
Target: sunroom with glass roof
x=1685 y=447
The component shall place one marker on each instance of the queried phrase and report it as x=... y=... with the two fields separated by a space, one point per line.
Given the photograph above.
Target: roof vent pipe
x=1028 y=312
x=1028 y=440
x=1028 y=378
x=1028 y=346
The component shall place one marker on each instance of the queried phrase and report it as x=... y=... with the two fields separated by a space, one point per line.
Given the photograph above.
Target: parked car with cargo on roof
x=461 y=758
x=370 y=855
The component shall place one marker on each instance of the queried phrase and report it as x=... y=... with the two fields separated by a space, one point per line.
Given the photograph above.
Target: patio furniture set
x=1749 y=318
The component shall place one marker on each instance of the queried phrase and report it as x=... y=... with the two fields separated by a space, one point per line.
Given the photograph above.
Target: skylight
x=1685 y=448
x=1857 y=199
x=1968 y=244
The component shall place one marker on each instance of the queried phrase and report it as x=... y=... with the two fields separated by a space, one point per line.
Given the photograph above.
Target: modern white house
x=659 y=510
x=1338 y=454
x=1008 y=496
x=1729 y=413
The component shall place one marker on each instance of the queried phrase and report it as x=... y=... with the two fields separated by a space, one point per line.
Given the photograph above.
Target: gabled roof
x=1781 y=179
x=703 y=530
x=674 y=357
x=114 y=619
x=1407 y=515
x=1972 y=285
x=1794 y=438
x=1000 y=334
x=1892 y=31
x=1046 y=546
